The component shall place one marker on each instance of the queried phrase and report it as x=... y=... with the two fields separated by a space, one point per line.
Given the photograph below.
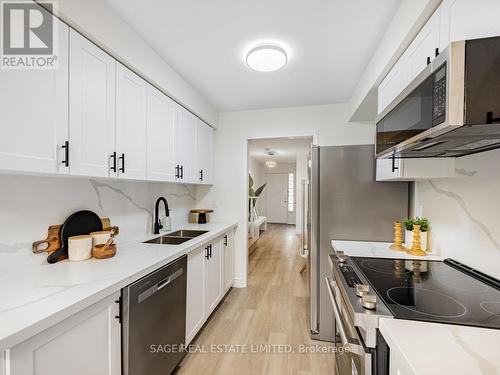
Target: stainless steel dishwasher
x=154 y=321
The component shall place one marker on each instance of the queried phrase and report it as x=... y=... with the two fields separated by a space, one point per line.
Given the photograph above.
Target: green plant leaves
x=422 y=221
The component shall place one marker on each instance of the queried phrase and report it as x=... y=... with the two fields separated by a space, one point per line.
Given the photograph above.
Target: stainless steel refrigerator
x=344 y=202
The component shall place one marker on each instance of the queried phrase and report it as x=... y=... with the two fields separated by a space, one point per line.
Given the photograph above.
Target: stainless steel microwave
x=451 y=109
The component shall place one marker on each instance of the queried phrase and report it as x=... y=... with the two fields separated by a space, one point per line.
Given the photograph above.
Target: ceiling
x=329 y=43
x=287 y=149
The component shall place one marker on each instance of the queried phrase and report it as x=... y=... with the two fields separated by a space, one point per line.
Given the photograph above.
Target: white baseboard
x=239 y=283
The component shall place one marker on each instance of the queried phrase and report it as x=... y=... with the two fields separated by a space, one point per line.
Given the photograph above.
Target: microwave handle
x=354 y=347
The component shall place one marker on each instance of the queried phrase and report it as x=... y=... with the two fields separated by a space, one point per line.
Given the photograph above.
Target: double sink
x=178 y=237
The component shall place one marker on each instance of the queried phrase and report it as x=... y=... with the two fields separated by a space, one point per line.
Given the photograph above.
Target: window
x=291 y=187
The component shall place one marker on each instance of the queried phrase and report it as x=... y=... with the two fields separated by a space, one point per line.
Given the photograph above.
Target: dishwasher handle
x=162 y=284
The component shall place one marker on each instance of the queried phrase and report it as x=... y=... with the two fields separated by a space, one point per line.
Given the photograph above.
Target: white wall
x=464 y=212
x=95 y=20
x=29 y=204
x=328 y=124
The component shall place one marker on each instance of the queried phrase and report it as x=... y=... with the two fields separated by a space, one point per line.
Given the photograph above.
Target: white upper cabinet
x=414 y=169
x=465 y=19
x=392 y=85
x=34 y=109
x=131 y=115
x=161 y=127
x=423 y=49
x=185 y=147
x=91 y=108
x=205 y=150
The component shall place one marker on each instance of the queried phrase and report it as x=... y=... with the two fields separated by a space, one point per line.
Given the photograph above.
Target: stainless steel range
x=363 y=290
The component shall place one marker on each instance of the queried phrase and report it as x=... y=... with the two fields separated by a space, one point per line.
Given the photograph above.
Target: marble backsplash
x=464 y=212
x=29 y=204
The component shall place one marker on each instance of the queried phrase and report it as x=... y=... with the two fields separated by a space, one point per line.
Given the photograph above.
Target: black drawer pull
x=122 y=158
x=66 y=153
x=113 y=164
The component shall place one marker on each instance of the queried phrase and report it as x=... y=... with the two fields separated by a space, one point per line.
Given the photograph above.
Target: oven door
x=351 y=356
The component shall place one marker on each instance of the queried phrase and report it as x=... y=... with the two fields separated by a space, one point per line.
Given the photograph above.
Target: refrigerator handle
x=303 y=213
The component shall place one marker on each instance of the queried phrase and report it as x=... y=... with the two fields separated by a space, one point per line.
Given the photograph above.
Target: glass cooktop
x=434 y=291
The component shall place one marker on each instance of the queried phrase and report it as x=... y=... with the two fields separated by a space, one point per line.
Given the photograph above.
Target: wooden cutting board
x=53 y=240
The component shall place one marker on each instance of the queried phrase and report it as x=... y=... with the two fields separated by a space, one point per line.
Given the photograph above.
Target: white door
x=131 y=104
x=34 y=110
x=227 y=246
x=213 y=277
x=185 y=146
x=277 y=197
x=91 y=108
x=88 y=342
x=195 y=302
x=161 y=123
x=205 y=150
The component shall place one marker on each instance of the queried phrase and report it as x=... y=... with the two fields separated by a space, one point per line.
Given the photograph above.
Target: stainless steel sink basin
x=168 y=240
x=187 y=233
x=177 y=237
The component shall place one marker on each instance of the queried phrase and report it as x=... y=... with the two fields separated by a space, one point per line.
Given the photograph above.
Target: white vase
x=409 y=239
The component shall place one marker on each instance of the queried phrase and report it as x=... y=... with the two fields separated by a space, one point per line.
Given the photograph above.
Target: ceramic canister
x=80 y=247
x=100 y=238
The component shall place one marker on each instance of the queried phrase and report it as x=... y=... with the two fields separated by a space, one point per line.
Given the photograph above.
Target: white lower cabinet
x=2 y=363
x=213 y=276
x=209 y=277
x=195 y=294
x=414 y=169
x=228 y=256
x=88 y=342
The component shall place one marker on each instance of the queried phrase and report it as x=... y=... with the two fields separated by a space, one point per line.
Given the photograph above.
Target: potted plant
x=424 y=229
x=252 y=197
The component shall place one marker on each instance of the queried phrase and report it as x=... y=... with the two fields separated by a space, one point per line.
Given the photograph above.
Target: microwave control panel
x=439 y=97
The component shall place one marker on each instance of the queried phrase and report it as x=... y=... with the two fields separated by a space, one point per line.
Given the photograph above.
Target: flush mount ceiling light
x=271 y=164
x=266 y=58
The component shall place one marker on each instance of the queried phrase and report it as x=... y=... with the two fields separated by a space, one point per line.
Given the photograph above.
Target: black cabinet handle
x=122 y=158
x=428 y=60
x=201 y=174
x=182 y=173
x=436 y=52
x=394 y=168
x=225 y=240
x=66 y=153
x=176 y=171
x=210 y=250
x=113 y=164
x=206 y=253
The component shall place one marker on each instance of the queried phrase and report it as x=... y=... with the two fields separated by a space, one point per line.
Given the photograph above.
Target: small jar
x=79 y=247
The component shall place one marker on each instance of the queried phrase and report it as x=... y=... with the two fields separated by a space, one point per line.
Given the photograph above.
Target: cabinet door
x=423 y=48
x=205 y=149
x=161 y=123
x=389 y=169
x=195 y=301
x=91 y=108
x=131 y=104
x=88 y=342
x=392 y=85
x=34 y=108
x=213 y=277
x=465 y=19
x=2 y=363
x=228 y=247
x=185 y=145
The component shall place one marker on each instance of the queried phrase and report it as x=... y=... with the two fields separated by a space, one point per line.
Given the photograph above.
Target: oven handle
x=353 y=346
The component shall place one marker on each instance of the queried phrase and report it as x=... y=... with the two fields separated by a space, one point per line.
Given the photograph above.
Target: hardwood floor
x=272 y=310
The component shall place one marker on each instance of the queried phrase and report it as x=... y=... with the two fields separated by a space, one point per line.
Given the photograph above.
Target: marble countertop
x=375 y=250
x=424 y=347
x=34 y=299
